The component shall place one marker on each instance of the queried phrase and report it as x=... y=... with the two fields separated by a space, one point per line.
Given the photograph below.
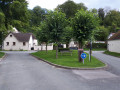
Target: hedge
x=97 y=45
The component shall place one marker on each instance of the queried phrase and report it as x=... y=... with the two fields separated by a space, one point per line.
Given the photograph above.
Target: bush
x=63 y=49
x=97 y=45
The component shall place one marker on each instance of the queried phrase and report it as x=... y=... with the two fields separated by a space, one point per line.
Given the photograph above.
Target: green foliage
x=112 y=20
x=67 y=35
x=112 y=53
x=37 y=16
x=70 y=8
x=63 y=49
x=56 y=22
x=83 y=24
x=43 y=34
x=97 y=45
x=2 y=21
x=101 y=14
x=101 y=34
x=16 y=13
x=2 y=54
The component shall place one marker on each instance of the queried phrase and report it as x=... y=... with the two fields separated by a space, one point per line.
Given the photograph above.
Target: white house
x=114 y=43
x=23 y=41
x=19 y=41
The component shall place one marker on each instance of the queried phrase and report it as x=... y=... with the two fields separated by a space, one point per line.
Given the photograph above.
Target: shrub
x=97 y=45
x=63 y=49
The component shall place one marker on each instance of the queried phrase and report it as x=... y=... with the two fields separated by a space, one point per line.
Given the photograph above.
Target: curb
x=72 y=68
x=2 y=57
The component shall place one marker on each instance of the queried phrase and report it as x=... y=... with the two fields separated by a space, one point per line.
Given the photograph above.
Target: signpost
x=83 y=56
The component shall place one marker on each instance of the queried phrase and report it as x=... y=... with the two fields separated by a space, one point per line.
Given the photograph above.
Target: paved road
x=20 y=71
x=113 y=62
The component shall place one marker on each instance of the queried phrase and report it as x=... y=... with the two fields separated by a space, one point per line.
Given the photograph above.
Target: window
x=14 y=43
x=33 y=44
x=10 y=35
x=75 y=42
x=24 y=43
x=7 y=43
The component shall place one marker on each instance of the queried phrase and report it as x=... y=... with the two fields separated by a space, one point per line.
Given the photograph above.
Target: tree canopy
x=56 y=22
x=83 y=24
x=70 y=8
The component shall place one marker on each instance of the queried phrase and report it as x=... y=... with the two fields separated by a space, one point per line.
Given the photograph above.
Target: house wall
x=17 y=46
x=35 y=42
x=30 y=42
x=114 y=46
x=72 y=44
x=49 y=47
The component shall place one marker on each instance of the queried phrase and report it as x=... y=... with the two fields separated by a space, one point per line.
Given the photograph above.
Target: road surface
x=20 y=71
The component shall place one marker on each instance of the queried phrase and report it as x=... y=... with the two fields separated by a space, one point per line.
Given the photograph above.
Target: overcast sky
x=51 y=4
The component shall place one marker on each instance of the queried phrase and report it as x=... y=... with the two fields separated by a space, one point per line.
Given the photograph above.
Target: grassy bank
x=112 y=54
x=67 y=60
x=2 y=54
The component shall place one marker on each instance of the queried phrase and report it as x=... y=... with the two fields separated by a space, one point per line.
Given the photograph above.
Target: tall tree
x=44 y=34
x=67 y=35
x=56 y=22
x=101 y=14
x=101 y=34
x=112 y=20
x=2 y=26
x=70 y=8
x=84 y=23
x=15 y=11
x=37 y=16
x=81 y=6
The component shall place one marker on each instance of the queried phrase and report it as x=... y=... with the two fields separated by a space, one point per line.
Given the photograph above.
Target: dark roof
x=116 y=36
x=23 y=37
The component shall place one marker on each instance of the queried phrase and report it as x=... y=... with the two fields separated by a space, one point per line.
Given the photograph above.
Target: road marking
x=94 y=74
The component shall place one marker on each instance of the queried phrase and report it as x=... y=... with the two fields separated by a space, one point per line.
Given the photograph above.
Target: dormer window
x=10 y=35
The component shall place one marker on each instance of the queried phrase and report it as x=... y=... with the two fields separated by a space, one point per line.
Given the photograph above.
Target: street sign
x=83 y=55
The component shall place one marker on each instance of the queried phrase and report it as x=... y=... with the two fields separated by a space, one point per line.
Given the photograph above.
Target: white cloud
x=51 y=4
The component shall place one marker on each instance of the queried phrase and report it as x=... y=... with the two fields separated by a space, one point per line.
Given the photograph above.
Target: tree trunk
x=80 y=51
x=57 y=52
x=46 y=47
x=41 y=47
x=79 y=44
x=67 y=45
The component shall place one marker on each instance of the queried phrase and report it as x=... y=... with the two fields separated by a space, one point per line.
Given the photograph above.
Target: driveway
x=20 y=71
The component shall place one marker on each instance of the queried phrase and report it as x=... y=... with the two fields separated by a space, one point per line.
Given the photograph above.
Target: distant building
x=114 y=43
x=23 y=41
x=111 y=34
x=20 y=41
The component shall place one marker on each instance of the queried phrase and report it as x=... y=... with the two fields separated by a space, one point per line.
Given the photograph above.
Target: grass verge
x=96 y=49
x=112 y=53
x=2 y=54
x=67 y=60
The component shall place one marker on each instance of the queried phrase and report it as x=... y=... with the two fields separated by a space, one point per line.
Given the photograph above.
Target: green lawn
x=2 y=54
x=67 y=60
x=96 y=49
x=112 y=53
